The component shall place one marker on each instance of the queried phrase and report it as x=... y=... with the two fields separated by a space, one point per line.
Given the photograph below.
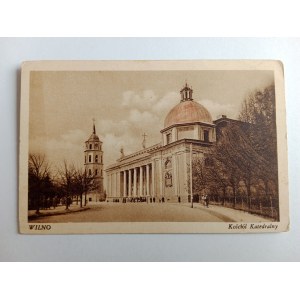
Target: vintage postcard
x=153 y=147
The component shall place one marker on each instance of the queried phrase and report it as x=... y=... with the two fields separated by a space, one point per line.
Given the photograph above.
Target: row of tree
x=243 y=164
x=46 y=188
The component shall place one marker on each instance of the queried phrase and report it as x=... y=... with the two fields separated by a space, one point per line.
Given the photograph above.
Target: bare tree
x=84 y=184
x=67 y=181
x=38 y=179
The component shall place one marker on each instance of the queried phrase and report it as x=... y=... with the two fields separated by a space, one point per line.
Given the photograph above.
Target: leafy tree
x=259 y=111
x=244 y=158
x=199 y=175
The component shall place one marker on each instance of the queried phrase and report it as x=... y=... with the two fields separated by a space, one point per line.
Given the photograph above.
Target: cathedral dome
x=187 y=111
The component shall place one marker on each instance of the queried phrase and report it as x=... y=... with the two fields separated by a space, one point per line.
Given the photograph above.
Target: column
x=108 y=184
x=129 y=183
x=115 y=184
x=111 y=184
x=118 y=180
x=161 y=177
x=147 y=180
x=141 y=181
x=153 y=179
x=175 y=174
x=134 y=182
x=124 y=184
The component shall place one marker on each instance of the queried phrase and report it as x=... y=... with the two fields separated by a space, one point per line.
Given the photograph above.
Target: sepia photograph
x=153 y=147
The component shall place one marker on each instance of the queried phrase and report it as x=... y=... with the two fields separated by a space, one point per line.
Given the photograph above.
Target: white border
x=153 y=227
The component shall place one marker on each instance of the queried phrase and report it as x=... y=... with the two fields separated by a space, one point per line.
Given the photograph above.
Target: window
x=90 y=158
x=96 y=158
x=169 y=138
x=101 y=173
x=96 y=146
x=96 y=172
x=206 y=136
x=90 y=172
x=90 y=146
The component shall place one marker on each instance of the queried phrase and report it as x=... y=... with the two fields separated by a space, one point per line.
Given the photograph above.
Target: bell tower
x=93 y=163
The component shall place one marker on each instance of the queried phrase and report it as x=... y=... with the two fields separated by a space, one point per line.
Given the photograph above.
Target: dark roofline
x=224 y=118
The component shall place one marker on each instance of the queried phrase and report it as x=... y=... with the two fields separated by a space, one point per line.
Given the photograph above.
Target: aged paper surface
x=153 y=147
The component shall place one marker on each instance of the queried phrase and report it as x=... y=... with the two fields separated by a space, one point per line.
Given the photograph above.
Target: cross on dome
x=94 y=128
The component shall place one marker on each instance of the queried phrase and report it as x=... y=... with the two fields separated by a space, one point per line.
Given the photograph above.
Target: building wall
x=168 y=174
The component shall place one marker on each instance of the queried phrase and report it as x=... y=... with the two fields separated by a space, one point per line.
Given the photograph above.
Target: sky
x=124 y=105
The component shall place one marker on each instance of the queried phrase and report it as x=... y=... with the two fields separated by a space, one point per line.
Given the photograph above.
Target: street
x=155 y=212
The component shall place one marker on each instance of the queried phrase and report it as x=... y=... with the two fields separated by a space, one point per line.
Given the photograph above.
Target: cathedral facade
x=161 y=172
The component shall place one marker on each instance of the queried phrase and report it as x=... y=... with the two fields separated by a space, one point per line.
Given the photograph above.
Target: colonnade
x=135 y=181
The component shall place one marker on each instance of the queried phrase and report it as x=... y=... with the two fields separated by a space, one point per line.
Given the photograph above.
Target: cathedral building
x=93 y=163
x=161 y=171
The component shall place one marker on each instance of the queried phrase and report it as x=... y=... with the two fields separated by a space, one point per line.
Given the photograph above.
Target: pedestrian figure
x=206 y=201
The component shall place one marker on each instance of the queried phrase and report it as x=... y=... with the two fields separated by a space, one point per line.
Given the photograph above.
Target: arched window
x=96 y=158
x=90 y=172
x=90 y=158
x=90 y=146
x=96 y=146
x=96 y=172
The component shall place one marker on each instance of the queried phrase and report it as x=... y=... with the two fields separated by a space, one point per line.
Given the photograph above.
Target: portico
x=136 y=181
